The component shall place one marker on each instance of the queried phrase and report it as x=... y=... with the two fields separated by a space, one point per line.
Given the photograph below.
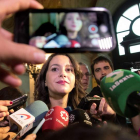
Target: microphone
x=62 y=40
x=79 y=116
x=55 y=119
x=25 y=119
x=121 y=89
x=68 y=109
x=59 y=41
x=74 y=44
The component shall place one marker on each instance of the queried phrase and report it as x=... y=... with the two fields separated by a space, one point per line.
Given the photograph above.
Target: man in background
x=85 y=77
x=100 y=67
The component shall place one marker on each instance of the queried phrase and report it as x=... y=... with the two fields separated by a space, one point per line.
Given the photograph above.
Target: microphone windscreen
x=56 y=118
x=68 y=109
x=79 y=116
x=25 y=119
x=62 y=40
x=116 y=88
x=38 y=109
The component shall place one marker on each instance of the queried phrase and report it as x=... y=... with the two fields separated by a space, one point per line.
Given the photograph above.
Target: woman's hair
x=41 y=91
x=9 y=93
x=62 y=27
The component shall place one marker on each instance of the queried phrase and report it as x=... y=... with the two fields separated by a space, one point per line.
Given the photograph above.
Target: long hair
x=62 y=27
x=75 y=95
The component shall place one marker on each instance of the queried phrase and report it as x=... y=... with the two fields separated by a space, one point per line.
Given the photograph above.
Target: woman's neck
x=59 y=101
x=72 y=35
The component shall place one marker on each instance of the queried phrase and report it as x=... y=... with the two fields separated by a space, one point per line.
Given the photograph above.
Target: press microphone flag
x=121 y=89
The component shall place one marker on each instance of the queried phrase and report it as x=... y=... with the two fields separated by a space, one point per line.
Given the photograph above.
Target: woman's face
x=73 y=22
x=60 y=77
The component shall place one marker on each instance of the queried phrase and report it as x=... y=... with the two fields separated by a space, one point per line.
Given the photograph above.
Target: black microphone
x=79 y=116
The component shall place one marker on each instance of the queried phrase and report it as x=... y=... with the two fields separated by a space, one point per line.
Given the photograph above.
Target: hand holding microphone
x=121 y=89
x=4 y=109
x=4 y=134
x=25 y=119
x=104 y=112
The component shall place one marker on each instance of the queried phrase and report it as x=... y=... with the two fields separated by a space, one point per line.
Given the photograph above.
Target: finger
x=5 y=103
x=1 y=118
x=6 y=34
x=96 y=96
x=30 y=137
x=9 y=78
x=12 y=135
x=4 y=129
x=4 y=137
x=3 y=114
x=93 y=109
x=11 y=110
x=101 y=106
x=20 y=53
x=16 y=5
x=18 y=68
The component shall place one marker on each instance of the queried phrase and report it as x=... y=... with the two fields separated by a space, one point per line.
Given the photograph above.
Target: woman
x=71 y=25
x=59 y=82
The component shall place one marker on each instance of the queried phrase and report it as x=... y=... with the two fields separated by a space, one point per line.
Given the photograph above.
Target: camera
x=86 y=102
x=66 y=30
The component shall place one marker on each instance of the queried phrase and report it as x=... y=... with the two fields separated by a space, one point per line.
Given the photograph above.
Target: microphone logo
x=112 y=77
x=49 y=112
x=116 y=78
x=71 y=118
x=24 y=116
x=87 y=116
x=64 y=115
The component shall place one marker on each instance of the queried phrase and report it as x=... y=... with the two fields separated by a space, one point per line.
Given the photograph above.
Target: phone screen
x=78 y=30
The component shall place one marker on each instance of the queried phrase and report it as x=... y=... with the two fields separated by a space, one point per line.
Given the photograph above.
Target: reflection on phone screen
x=70 y=30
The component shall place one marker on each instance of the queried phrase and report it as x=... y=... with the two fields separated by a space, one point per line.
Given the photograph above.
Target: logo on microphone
x=71 y=118
x=115 y=78
x=24 y=116
x=49 y=112
x=112 y=77
x=64 y=115
x=87 y=116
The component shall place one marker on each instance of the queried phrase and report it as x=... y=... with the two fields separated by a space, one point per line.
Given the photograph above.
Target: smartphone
x=18 y=102
x=88 y=101
x=66 y=30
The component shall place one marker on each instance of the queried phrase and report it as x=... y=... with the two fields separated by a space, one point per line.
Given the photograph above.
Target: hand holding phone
x=92 y=29
x=18 y=102
x=88 y=101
